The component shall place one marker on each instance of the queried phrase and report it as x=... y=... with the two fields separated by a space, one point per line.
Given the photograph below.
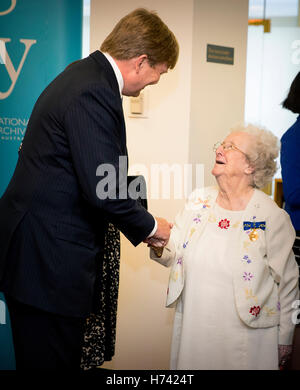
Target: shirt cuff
x=154 y=229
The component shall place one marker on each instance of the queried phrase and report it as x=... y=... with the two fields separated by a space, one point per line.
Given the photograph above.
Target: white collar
x=117 y=72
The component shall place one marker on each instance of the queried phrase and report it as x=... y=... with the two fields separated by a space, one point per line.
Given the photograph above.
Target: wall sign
x=220 y=54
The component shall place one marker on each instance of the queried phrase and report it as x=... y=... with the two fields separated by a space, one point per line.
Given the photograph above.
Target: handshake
x=161 y=237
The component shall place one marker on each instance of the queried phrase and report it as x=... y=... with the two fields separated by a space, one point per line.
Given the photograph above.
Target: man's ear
x=139 y=61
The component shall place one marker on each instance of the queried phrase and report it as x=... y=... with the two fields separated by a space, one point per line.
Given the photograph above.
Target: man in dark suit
x=55 y=212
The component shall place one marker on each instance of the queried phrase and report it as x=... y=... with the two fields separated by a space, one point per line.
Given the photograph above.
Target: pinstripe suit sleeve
x=94 y=127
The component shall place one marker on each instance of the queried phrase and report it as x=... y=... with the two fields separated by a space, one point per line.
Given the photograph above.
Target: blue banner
x=38 y=39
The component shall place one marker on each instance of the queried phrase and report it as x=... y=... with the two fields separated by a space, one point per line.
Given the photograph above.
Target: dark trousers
x=42 y=340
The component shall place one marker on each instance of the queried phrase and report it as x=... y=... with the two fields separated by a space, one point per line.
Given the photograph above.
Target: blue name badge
x=254 y=225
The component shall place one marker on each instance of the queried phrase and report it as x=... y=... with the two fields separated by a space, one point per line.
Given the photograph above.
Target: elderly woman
x=234 y=276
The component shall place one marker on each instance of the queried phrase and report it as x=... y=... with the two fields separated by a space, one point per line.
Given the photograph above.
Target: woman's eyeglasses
x=227 y=146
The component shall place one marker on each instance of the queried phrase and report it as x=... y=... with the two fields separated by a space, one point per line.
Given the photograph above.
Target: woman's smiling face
x=231 y=156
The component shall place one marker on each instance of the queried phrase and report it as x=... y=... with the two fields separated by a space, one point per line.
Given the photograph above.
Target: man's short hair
x=142 y=32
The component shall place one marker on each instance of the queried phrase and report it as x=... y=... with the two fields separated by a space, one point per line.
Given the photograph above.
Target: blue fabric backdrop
x=37 y=40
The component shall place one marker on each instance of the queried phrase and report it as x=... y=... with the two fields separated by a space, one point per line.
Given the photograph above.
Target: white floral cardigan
x=265 y=273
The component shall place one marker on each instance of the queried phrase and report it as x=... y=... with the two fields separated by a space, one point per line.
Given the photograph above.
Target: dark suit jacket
x=52 y=222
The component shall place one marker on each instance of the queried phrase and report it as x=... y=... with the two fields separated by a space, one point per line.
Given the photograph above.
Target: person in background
x=234 y=276
x=290 y=162
x=56 y=209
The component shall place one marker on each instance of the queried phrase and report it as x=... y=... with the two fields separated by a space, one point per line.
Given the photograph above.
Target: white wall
x=185 y=109
x=218 y=90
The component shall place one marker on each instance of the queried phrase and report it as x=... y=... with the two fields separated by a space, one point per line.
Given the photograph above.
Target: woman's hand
x=284 y=355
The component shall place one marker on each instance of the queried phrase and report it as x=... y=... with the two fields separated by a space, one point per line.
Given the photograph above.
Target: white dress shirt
x=120 y=80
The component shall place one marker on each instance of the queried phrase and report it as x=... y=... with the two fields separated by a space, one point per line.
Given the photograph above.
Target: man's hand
x=162 y=234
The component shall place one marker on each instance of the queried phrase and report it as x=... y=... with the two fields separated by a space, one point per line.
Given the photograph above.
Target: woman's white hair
x=261 y=154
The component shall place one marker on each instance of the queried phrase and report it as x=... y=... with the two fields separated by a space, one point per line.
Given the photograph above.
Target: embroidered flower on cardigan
x=174 y=275
x=224 y=224
x=197 y=219
x=278 y=306
x=246 y=259
x=179 y=261
x=269 y=311
x=249 y=295
x=185 y=244
x=205 y=203
x=235 y=225
x=246 y=244
x=247 y=276
x=192 y=232
x=212 y=218
x=254 y=310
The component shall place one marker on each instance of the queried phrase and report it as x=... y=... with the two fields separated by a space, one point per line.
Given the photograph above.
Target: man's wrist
x=153 y=230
